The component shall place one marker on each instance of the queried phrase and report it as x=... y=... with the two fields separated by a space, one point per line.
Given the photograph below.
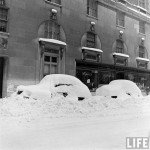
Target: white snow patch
x=121 y=54
x=142 y=59
x=53 y=41
x=92 y=49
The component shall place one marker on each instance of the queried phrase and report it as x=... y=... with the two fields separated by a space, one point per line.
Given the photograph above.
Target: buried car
x=53 y=84
x=119 y=89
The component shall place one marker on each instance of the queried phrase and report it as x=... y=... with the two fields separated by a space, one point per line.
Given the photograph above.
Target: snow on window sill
x=92 y=49
x=143 y=34
x=121 y=54
x=92 y=17
x=52 y=3
x=123 y=27
x=52 y=41
x=142 y=59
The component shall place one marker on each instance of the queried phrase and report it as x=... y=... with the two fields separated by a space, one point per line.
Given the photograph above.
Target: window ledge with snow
x=121 y=55
x=142 y=59
x=53 y=41
x=92 y=49
x=142 y=8
x=52 y=3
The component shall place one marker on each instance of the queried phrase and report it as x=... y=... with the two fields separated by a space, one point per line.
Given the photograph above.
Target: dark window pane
x=47 y=58
x=54 y=59
x=3 y=26
x=141 y=51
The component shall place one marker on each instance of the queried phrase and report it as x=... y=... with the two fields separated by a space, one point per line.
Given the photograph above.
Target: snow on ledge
x=92 y=49
x=142 y=8
x=142 y=59
x=122 y=55
x=52 y=41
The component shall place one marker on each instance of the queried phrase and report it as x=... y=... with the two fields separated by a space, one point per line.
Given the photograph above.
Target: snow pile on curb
x=59 y=106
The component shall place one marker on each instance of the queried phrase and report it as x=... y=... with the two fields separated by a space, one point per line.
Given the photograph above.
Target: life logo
x=137 y=143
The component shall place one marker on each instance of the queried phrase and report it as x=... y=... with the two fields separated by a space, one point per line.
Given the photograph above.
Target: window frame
x=142 y=3
x=119 y=46
x=141 y=27
x=92 y=8
x=141 y=51
x=90 y=40
x=50 y=30
x=120 y=19
x=50 y=63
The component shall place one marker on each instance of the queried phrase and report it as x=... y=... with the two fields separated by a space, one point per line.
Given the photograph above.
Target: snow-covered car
x=119 y=89
x=53 y=84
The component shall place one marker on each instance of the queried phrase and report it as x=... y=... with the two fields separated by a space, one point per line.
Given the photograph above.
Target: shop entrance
x=1 y=75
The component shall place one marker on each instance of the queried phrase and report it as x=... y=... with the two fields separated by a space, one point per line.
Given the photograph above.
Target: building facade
x=95 y=40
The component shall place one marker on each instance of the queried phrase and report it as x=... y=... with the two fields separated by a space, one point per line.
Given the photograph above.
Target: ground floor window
x=50 y=63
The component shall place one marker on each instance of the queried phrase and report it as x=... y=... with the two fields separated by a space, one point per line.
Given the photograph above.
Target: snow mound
x=119 y=89
x=24 y=109
x=54 y=84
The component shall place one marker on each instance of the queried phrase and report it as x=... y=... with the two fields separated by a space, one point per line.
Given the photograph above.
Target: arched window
x=90 y=40
x=119 y=46
x=52 y=30
x=92 y=8
x=141 y=51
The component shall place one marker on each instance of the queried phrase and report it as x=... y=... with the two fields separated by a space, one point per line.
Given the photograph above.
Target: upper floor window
x=3 y=17
x=2 y=2
x=141 y=51
x=91 y=41
x=120 y=19
x=141 y=27
x=92 y=8
x=119 y=46
x=55 y=1
x=52 y=30
x=142 y=3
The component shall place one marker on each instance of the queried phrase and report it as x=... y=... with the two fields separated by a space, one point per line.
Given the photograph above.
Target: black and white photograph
x=74 y=74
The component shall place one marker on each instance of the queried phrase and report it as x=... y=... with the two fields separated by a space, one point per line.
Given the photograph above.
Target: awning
x=121 y=54
x=53 y=41
x=92 y=49
x=142 y=59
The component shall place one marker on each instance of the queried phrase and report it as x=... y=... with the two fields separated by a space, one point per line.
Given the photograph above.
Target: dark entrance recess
x=1 y=75
x=95 y=74
x=120 y=75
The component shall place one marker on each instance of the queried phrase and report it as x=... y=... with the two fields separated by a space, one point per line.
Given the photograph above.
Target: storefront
x=95 y=74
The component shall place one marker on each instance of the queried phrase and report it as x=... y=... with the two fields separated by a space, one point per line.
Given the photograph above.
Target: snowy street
x=75 y=133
